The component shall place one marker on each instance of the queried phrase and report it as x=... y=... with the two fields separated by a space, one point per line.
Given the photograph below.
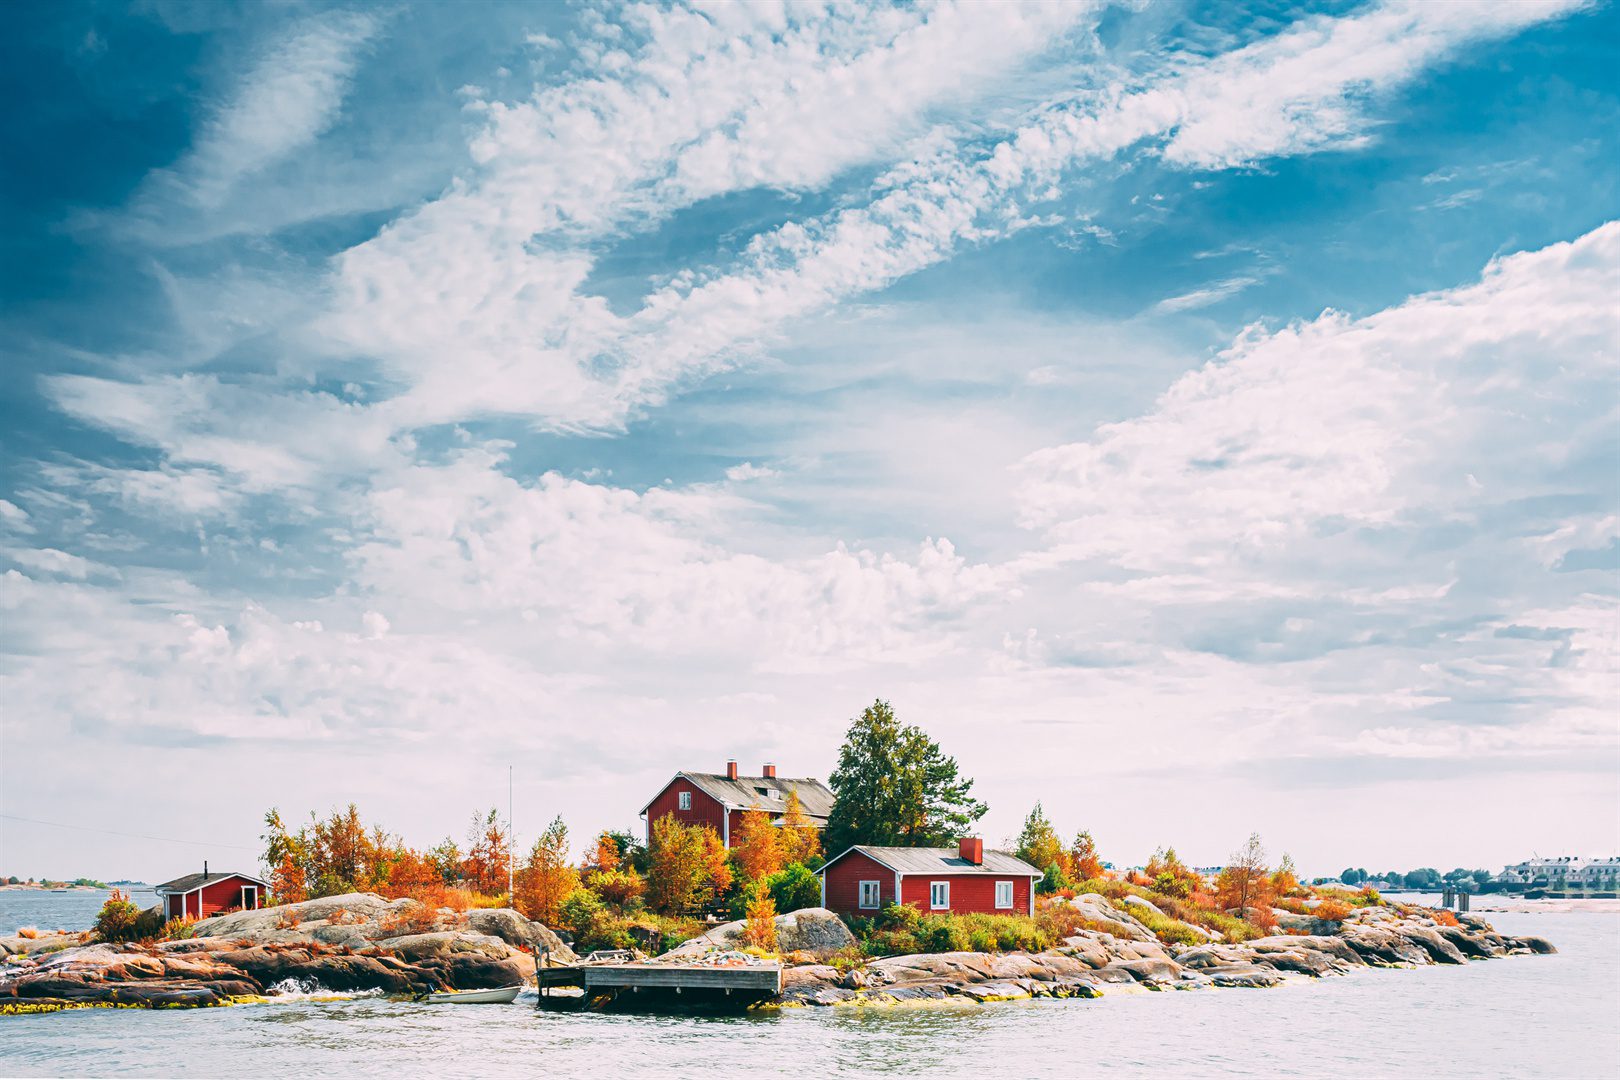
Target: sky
x=1199 y=418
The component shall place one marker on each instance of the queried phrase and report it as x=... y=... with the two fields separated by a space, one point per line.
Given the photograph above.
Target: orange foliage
x=756 y=843
x=485 y=864
x=801 y=840
x=415 y=918
x=1332 y=910
x=604 y=856
x=760 y=929
x=1445 y=918
x=687 y=866
x=29 y=932
x=1083 y=861
x=287 y=881
x=547 y=879
x=717 y=860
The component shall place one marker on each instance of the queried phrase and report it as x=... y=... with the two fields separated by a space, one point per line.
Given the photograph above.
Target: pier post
x=1462 y=902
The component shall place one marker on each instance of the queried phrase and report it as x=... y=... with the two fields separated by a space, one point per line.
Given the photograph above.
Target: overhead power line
x=129 y=835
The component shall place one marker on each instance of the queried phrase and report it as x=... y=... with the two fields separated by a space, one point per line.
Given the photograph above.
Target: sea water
x=1531 y=1016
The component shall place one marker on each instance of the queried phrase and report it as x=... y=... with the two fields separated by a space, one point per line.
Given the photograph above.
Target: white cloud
x=658 y=570
x=1346 y=422
x=290 y=94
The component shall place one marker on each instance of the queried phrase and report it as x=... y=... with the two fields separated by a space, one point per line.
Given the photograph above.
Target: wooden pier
x=697 y=984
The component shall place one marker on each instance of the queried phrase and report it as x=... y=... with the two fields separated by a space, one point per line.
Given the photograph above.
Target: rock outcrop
x=353 y=942
x=1096 y=961
x=815 y=931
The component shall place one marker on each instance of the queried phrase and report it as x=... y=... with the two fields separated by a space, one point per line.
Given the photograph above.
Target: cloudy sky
x=1199 y=421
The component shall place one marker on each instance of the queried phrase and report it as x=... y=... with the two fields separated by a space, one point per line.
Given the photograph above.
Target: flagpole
x=510 y=836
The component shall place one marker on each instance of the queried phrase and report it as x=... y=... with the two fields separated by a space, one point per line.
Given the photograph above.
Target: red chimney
x=731 y=770
x=971 y=848
x=770 y=771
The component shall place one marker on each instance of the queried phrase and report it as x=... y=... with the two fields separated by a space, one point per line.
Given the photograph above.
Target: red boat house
x=961 y=879
x=715 y=799
x=198 y=896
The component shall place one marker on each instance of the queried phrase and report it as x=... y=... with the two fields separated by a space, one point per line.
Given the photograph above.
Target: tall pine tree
x=896 y=787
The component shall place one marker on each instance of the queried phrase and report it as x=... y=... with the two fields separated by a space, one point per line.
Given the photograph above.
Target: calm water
x=1548 y=1016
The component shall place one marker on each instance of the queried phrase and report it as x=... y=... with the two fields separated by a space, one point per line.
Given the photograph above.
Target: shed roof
x=928 y=860
x=769 y=793
x=192 y=881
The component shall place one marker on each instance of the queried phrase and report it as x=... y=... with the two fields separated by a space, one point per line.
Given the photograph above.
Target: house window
x=871 y=894
x=1004 y=895
x=939 y=895
x=686 y=800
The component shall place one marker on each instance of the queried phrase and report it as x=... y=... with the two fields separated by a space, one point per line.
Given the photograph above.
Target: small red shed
x=198 y=896
x=715 y=799
x=958 y=880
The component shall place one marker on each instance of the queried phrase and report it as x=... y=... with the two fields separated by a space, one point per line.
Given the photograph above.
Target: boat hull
x=500 y=996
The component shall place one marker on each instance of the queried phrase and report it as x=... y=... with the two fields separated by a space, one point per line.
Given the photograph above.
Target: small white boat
x=504 y=995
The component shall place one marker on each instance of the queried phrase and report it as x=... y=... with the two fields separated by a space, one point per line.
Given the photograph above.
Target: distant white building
x=1563 y=868
x=1599 y=874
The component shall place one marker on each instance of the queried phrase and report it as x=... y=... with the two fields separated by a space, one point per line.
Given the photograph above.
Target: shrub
x=793 y=887
x=619 y=889
x=1332 y=910
x=1446 y=918
x=580 y=911
x=119 y=919
x=760 y=929
x=1297 y=907
x=30 y=932
x=287 y=920
x=847 y=958
x=412 y=918
x=179 y=929
x=1055 y=880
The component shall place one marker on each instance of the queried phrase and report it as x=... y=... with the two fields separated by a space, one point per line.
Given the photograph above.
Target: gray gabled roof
x=929 y=860
x=769 y=793
x=191 y=881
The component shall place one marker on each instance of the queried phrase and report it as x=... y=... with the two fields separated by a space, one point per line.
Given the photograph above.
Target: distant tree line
x=1426 y=877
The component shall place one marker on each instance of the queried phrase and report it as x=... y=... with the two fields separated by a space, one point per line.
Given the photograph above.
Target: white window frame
x=939 y=895
x=1008 y=887
x=684 y=800
x=877 y=895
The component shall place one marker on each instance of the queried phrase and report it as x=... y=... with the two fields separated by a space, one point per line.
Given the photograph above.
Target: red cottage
x=198 y=896
x=715 y=799
x=960 y=879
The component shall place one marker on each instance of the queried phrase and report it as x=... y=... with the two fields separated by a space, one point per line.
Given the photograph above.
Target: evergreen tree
x=896 y=787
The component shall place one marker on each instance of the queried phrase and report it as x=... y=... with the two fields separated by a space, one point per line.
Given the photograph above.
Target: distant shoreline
x=37 y=887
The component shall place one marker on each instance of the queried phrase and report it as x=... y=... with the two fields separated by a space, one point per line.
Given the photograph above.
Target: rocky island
x=361 y=941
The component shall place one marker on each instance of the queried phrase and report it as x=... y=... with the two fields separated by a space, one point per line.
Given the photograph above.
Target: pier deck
x=754 y=982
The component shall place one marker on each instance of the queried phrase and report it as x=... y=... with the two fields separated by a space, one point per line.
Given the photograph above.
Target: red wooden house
x=198 y=896
x=960 y=879
x=715 y=799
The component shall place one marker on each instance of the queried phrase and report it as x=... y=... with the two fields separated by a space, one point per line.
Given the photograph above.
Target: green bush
x=121 y=920
x=903 y=929
x=793 y=887
x=1055 y=880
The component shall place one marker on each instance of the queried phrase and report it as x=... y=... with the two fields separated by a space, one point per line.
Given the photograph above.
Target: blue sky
x=1172 y=406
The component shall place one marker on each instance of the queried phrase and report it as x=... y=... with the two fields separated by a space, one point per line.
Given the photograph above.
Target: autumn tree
x=760 y=927
x=547 y=877
x=446 y=859
x=800 y=839
x=1244 y=882
x=1285 y=879
x=896 y=787
x=1038 y=843
x=603 y=856
x=1169 y=875
x=756 y=844
x=606 y=873
x=285 y=853
x=676 y=871
x=1083 y=857
x=485 y=866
